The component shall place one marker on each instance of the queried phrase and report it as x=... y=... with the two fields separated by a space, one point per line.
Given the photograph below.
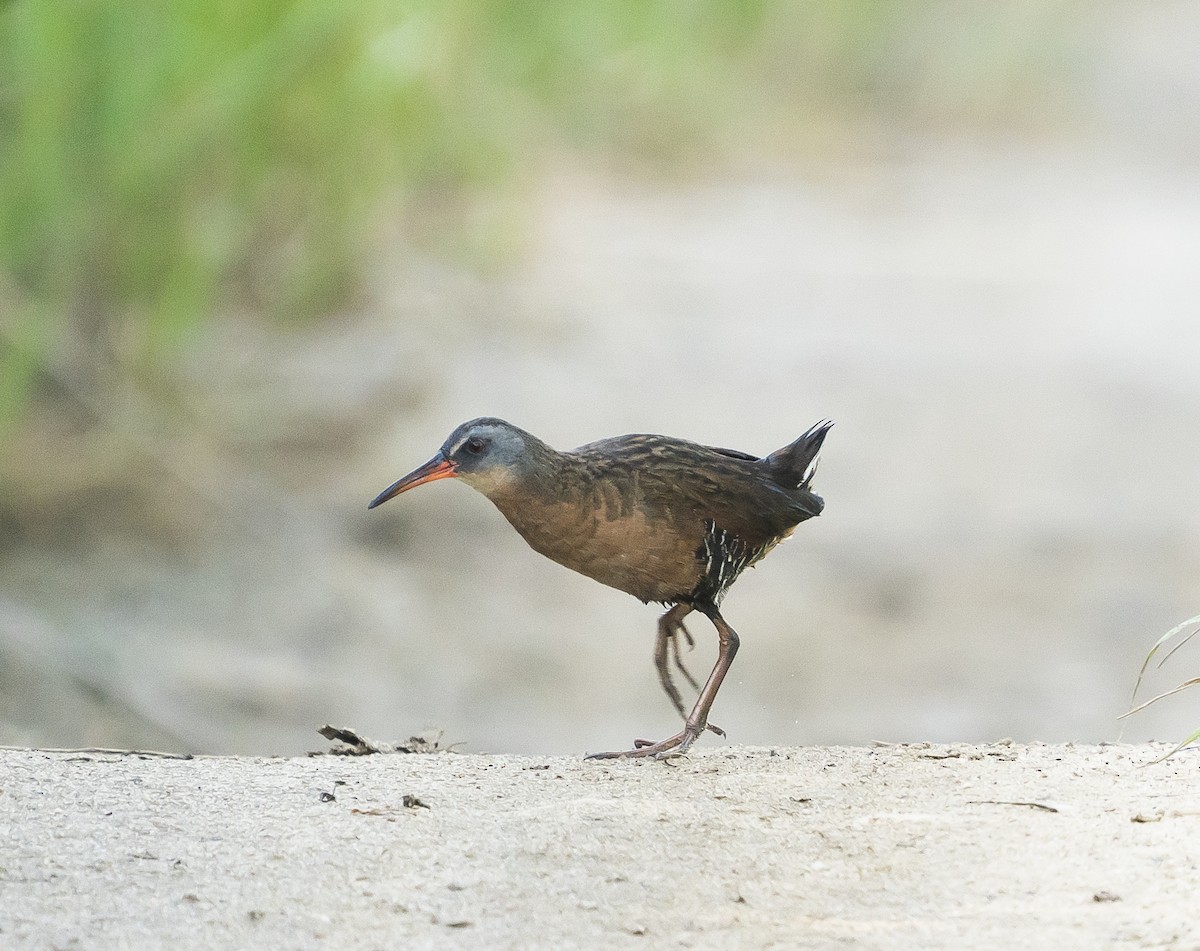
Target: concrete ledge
x=1004 y=846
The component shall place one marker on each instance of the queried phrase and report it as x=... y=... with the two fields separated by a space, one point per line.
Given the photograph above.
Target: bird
x=663 y=519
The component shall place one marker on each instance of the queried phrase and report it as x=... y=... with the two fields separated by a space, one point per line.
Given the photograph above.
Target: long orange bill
x=439 y=467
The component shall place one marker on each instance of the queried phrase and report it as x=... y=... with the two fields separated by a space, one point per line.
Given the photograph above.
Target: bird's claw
x=672 y=747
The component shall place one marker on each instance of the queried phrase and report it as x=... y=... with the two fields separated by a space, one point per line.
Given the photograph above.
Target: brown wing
x=689 y=484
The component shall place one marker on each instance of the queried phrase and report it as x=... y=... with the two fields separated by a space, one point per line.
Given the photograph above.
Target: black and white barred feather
x=724 y=556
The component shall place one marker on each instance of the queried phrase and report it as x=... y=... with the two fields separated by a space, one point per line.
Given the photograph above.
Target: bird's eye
x=475 y=445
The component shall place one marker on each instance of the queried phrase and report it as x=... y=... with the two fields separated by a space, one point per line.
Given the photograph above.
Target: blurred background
x=257 y=259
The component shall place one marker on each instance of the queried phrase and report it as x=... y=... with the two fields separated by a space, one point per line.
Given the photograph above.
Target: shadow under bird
x=663 y=519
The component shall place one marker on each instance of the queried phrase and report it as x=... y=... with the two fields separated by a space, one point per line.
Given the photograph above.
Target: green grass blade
x=1168 y=693
x=1167 y=656
x=1191 y=739
x=1166 y=638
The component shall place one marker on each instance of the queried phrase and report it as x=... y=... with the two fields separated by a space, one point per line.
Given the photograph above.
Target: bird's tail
x=795 y=464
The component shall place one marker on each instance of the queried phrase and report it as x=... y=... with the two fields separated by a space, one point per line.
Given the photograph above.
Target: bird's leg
x=670 y=626
x=678 y=657
x=696 y=721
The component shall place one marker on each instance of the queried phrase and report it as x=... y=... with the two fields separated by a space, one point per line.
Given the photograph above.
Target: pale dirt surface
x=1000 y=846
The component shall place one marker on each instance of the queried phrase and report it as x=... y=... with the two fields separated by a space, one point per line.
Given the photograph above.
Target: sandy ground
x=920 y=846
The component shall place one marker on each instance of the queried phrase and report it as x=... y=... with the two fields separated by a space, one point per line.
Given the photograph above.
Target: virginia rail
x=663 y=519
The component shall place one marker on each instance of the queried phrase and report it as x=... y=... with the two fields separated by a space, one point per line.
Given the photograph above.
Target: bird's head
x=486 y=453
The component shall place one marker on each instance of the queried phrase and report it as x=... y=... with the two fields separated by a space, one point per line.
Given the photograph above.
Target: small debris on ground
x=1044 y=807
x=355 y=744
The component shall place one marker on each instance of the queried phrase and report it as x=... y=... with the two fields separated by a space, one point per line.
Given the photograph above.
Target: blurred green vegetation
x=161 y=162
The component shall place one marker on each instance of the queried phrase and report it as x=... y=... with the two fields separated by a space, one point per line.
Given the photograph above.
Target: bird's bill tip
x=439 y=467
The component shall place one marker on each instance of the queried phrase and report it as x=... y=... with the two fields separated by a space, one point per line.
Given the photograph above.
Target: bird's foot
x=671 y=747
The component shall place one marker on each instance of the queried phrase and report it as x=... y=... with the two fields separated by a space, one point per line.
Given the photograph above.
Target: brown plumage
x=663 y=519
